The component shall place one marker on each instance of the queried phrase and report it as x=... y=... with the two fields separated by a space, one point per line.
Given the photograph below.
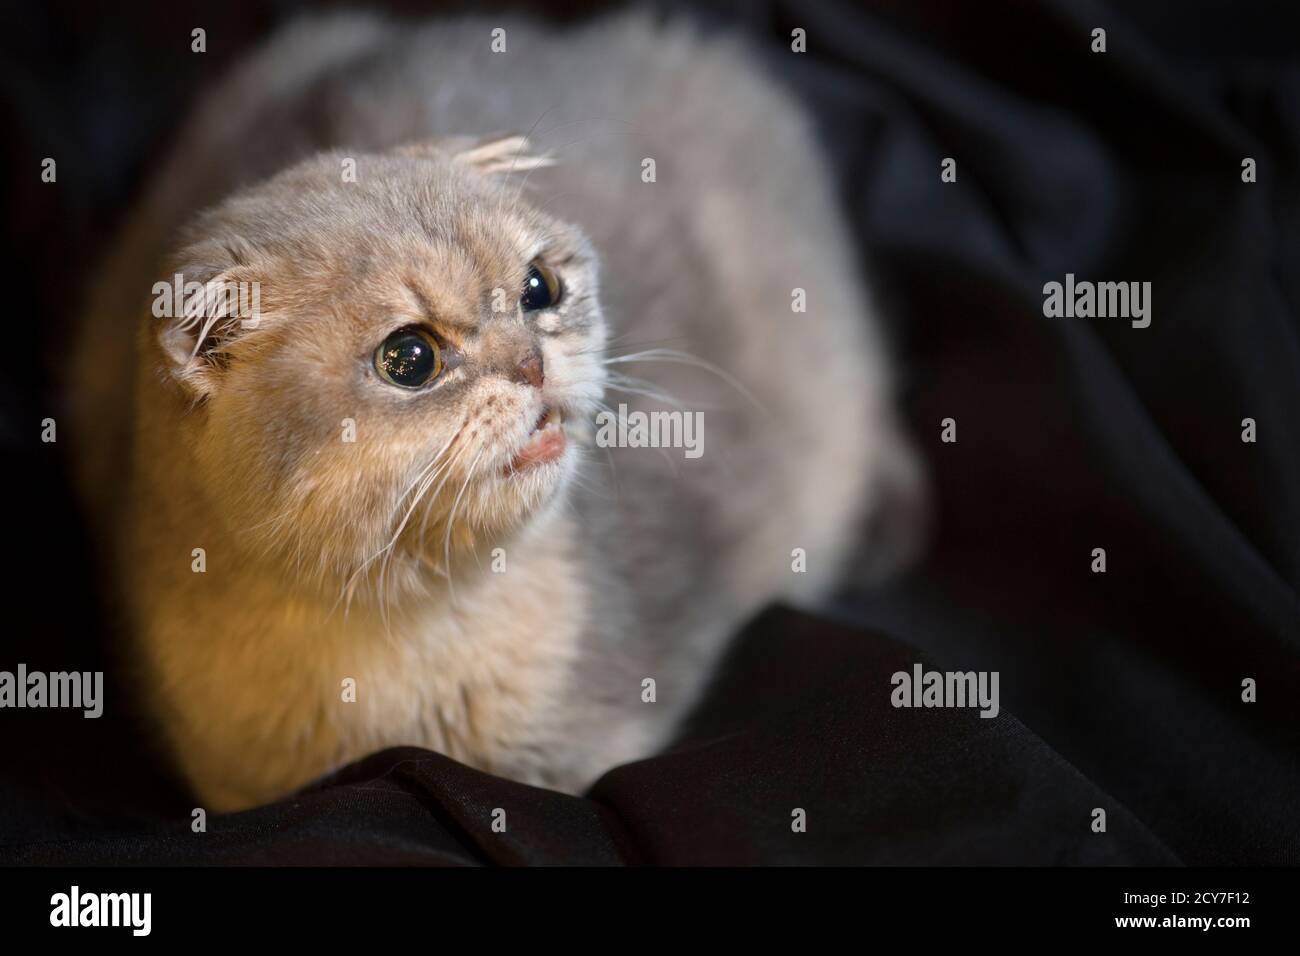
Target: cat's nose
x=529 y=370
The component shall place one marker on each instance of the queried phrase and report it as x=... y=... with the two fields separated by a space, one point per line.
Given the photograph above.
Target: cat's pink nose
x=529 y=369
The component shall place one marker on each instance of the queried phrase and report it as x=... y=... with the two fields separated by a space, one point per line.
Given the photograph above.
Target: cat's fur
x=620 y=564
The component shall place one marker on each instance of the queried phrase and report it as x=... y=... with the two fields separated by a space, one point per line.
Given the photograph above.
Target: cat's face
x=426 y=350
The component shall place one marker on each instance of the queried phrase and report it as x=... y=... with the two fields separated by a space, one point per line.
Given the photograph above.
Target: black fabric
x=1120 y=691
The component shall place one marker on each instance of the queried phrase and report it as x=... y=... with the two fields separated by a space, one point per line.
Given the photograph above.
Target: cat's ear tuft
x=503 y=154
x=507 y=153
x=199 y=314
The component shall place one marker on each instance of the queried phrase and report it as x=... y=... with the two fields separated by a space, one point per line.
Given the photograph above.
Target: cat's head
x=413 y=348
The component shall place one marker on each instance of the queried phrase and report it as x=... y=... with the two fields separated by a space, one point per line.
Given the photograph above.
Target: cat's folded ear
x=492 y=155
x=212 y=299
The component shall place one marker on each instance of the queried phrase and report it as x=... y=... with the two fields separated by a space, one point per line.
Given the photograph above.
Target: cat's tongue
x=546 y=443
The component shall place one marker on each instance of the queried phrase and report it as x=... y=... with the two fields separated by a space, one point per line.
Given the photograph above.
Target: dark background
x=1119 y=691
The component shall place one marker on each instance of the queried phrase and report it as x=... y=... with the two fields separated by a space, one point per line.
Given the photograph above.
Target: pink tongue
x=545 y=445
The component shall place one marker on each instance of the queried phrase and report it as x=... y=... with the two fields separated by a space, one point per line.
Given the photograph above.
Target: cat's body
x=615 y=565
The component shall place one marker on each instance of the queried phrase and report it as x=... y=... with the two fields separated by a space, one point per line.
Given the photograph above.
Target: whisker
x=381 y=584
x=350 y=584
x=451 y=519
x=638 y=386
x=685 y=358
x=616 y=343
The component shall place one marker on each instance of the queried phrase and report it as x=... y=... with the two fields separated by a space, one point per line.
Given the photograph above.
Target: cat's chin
x=537 y=474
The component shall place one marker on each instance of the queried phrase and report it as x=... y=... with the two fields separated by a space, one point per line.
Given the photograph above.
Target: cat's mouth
x=546 y=442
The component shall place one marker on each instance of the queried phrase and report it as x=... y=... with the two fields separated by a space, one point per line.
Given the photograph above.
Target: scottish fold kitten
x=380 y=507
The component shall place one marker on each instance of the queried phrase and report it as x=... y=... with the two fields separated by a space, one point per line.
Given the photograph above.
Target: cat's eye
x=541 y=287
x=408 y=358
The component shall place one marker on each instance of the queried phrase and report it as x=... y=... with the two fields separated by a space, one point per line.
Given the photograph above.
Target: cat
x=374 y=513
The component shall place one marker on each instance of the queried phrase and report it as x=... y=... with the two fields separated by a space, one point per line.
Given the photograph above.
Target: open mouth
x=545 y=443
